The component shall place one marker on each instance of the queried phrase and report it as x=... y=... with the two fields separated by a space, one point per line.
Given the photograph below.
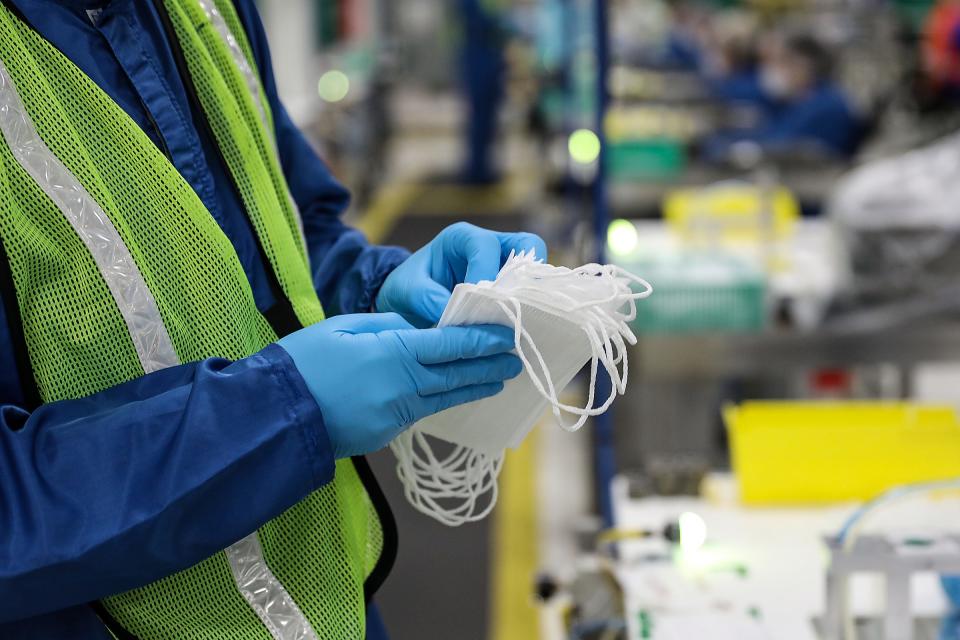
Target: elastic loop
x=462 y=486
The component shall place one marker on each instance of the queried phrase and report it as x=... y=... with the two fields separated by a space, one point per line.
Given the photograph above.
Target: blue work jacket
x=822 y=118
x=74 y=529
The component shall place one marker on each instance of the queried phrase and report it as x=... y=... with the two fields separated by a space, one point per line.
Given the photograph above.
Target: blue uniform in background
x=682 y=52
x=950 y=629
x=741 y=87
x=484 y=68
x=823 y=118
x=237 y=427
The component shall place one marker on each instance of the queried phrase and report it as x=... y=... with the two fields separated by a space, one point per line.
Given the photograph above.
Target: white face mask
x=563 y=319
x=775 y=82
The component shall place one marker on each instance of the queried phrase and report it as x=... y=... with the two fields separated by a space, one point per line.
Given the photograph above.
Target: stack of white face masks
x=563 y=319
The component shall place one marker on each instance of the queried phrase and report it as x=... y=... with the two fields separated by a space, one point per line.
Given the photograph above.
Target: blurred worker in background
x=684 y=46
x=181 y=431
x=732 y=69
x=484 y=69
x=808 y=112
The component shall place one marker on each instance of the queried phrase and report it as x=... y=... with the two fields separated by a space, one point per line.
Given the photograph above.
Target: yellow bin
x=813 y=453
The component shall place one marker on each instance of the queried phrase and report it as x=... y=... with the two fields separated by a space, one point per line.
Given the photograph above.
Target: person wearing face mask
x=196 y=352
x=732 y=74
x=808 y=110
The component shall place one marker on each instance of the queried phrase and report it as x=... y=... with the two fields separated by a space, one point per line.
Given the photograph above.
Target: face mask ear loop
x=618 y=360
x=478 y=478
x=546 y=387
x=624 y=363
x=467 y=475
x=434 y=474
x=521 y=335
x=453 y=461
x=587 y=411
x=549 y=393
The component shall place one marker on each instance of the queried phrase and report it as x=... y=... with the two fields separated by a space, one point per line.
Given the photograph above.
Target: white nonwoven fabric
x=494 y=424
x=563 y=320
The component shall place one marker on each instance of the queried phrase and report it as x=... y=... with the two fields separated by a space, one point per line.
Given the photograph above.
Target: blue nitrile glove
x=420 y=287
x=373 y=374
x=950 y=628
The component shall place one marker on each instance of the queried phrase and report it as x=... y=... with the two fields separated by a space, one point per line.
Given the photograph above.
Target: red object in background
x=831 y=382
x=941 y=44
x=353 y=18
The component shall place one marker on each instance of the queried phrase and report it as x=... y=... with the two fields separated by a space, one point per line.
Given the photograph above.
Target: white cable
x=462 y=486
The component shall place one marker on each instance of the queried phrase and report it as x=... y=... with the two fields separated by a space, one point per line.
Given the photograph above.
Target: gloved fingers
x=523 y=241
x=447 y=344
x=472 y=252
x=368 y=323
x=442 y=401
x=440 y=378
x=429 y=304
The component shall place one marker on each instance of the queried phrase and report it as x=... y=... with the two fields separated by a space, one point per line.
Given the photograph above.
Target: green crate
x=701 y=295
x=646 y=159
x=913 y=12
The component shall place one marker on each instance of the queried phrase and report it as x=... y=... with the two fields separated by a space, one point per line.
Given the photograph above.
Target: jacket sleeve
x=106 y=493
x=347 y=270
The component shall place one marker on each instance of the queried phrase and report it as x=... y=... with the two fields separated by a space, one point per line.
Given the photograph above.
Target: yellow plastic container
x=813 y=453
x=731 y=213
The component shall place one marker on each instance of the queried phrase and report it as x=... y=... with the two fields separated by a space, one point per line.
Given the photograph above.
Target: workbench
x=761 y=574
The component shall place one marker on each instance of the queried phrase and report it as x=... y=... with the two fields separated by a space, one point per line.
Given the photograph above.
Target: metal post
x=897 y=619
x=836 y=594
x=604 y=459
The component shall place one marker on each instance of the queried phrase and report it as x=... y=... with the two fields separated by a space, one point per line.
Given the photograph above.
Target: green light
x=622 y=237
x=333 y=86
x=584 y=146
x=693 y=531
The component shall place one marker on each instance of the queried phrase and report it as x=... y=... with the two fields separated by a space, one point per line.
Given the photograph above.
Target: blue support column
x=604 y=458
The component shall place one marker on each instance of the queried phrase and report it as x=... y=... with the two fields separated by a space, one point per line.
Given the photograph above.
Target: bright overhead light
x=622 y=237
x=693 y=531
x=584 y=146
x=333 y=86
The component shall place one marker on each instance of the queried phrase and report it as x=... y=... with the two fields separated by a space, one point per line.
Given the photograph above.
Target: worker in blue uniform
x=122 y=46
x=731 y=69
x=807 y=109
x=483 y=70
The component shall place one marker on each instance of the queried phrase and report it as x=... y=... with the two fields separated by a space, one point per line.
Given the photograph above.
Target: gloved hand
x=373 y=374
x=420 y=287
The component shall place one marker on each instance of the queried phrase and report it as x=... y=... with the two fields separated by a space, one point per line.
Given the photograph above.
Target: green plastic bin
x=701 y=294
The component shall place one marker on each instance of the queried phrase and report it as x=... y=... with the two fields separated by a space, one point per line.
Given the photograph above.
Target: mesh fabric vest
x=327 y=552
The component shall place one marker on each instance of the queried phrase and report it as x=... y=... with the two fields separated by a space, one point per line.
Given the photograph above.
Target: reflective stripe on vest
x=253 y=85
x=268 y=598
x=256 y=583
x=239 y=58
x=123 y=278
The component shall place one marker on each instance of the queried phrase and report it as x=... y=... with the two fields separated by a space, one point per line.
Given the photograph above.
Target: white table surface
x=782 y=551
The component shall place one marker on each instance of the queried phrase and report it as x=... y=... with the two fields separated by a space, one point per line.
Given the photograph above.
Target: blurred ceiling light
x=622 y=237
x=693 y=531
x=584 y=146
x=333 y=86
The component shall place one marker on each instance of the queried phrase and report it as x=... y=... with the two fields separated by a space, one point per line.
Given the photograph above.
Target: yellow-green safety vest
x=119 y=270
